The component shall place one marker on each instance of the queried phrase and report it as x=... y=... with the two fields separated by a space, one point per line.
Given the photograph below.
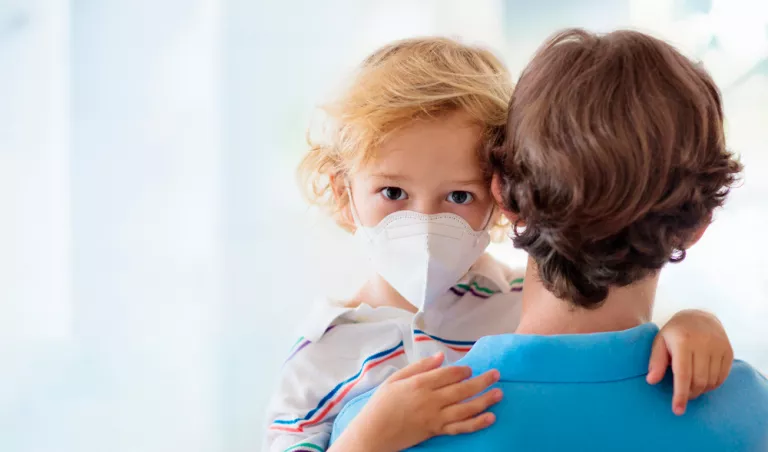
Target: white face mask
x=422 y=256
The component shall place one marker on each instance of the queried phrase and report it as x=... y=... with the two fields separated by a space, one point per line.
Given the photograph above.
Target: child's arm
x=289 y=426
x=418 y=402
x=700 y=352
x=307 y=398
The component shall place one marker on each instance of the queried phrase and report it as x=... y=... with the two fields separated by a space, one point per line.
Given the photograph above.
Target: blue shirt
x=588 y=392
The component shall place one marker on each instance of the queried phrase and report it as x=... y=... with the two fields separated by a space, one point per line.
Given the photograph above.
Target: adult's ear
x=699 y=233
x=499 y=199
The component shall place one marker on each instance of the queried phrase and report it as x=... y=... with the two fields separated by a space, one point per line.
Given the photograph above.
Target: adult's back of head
x=613 y=161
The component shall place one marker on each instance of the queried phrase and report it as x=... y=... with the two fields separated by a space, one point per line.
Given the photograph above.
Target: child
x=406 y=170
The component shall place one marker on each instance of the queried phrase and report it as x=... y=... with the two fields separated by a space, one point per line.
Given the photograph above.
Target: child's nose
x=428 y=207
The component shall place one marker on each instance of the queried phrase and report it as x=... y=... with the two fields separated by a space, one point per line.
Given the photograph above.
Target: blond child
x=405 y=169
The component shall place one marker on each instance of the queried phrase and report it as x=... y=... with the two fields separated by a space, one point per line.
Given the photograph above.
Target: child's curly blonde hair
x=399 y=83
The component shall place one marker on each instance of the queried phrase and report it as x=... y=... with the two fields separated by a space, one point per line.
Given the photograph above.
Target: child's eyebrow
x=470 y=182
x=394 y=177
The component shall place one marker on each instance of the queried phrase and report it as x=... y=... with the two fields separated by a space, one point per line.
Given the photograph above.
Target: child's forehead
x=434 y=150
x=452 y=136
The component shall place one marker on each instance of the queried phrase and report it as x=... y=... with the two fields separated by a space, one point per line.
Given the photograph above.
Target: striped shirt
x=345 y=352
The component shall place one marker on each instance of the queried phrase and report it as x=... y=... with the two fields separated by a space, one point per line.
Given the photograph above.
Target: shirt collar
x=581 y=358
x=325 y=313
x=490 y=269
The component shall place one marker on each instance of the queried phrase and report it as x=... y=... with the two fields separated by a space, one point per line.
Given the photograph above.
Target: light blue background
x=155 y=255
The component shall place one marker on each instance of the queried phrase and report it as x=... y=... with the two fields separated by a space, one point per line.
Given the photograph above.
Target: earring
x=516 y=229
x=678 y=254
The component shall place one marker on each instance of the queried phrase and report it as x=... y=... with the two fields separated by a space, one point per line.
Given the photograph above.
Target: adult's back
x=589 y=393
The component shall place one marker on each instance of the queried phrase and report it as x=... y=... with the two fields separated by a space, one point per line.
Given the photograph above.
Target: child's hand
x=701 y=356
x=420 y=401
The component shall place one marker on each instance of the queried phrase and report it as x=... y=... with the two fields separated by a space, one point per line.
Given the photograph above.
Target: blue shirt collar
x=573 y=358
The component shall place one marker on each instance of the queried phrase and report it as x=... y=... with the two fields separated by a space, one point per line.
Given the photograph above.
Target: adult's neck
x=545 y=314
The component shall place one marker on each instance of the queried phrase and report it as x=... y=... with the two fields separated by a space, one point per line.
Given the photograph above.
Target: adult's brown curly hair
x=614 y=158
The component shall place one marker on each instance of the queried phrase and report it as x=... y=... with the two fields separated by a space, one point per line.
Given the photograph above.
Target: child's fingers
x=462 y=391
x=714 y=373
x=470 y=425
x=700 y=375
x=471 y=408
x=446 y=376
x=419 y=367
x=725 y=369
x=659 y=362
x=682 y=363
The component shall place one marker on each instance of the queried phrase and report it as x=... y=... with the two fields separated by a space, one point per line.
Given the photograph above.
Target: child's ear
x=341 y=197
x=499 y=199
x=339 y=187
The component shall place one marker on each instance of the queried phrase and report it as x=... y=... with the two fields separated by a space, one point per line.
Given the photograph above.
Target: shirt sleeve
x=319 y=377
x=289 y=442
x=299 y=417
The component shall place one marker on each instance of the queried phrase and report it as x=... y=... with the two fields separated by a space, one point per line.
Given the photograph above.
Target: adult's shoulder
x=740 y=408
x=745 y=379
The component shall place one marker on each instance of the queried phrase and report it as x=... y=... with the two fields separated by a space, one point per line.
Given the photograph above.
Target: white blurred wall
x=155 y=255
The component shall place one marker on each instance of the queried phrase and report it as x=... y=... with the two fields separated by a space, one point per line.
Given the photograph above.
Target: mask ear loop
x=487 y=224
x=353 y=210
x=355 y=218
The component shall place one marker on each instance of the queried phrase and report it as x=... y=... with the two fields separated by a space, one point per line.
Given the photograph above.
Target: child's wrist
x=361 y=437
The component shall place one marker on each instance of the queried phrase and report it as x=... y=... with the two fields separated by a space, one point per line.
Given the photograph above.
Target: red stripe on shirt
x=339 y=398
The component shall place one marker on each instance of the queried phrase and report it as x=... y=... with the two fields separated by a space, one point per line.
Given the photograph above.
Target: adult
x=612 y=166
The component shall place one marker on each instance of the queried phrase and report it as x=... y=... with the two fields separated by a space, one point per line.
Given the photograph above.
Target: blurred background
x=155 y=254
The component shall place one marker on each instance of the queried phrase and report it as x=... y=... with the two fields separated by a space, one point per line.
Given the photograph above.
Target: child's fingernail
x=497 y=395
x=495 y=375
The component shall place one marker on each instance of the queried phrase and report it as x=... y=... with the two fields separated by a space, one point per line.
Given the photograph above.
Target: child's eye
x=460 y=197
x=394 y=193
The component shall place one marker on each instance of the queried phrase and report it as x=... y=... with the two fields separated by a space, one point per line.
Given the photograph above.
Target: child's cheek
x=477 y=214
x=373 y=207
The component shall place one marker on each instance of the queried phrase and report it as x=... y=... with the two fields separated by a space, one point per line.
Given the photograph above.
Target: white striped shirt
x=344 y=352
